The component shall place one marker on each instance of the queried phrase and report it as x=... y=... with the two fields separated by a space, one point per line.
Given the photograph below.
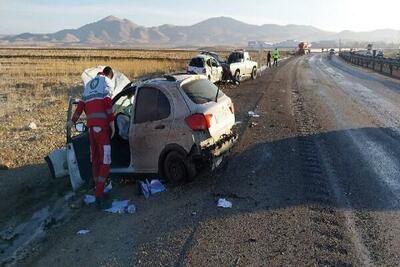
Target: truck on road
x=241 y=65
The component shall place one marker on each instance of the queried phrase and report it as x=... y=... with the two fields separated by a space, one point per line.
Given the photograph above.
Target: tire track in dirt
x=331 y=244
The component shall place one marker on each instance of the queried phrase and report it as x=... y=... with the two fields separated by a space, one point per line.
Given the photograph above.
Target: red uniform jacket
x=96 y=102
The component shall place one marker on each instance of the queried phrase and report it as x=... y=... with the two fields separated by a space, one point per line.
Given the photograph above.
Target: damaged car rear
x=173 y=126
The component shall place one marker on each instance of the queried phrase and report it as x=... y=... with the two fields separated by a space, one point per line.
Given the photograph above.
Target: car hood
x=119 y=80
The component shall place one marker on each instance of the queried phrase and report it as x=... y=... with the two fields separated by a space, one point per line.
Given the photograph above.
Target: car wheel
x=237 y=76
x=177 y=168
x=254 y=73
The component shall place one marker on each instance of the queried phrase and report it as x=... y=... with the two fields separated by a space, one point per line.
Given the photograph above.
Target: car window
x=151 y=105
x=163 y=106
x=214 y=63
x=201 y=91
x=197 y=62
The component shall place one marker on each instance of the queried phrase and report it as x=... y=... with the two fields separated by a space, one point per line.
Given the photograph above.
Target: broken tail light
x=199 y=122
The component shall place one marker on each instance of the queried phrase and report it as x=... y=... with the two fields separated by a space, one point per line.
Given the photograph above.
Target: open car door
x=74 y=159
x=119 y=80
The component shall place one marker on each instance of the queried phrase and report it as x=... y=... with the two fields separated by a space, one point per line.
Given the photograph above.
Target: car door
x=150 y=127
x=216 y=71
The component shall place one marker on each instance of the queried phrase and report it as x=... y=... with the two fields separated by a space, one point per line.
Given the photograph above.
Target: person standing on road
x=97 y=105
x=269 y=57
x=276 y=56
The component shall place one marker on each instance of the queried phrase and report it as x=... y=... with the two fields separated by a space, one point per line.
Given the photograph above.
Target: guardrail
x=388 y=66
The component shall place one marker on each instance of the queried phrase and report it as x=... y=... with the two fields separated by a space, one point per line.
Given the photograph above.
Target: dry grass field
x=35 y=85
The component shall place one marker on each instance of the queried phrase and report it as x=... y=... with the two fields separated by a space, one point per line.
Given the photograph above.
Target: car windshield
x=201 y=91
x=235 y=58
x=197 y=62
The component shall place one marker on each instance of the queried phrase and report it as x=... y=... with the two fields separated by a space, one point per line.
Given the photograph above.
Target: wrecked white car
x=206 y=65
x=171 y=126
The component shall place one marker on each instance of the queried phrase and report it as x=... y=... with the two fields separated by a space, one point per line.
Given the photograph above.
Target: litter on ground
x=108 y=188
x=121 y=206
x=151 y=188
x=83 y=232
x=89 y=199
x=253 y=114
x=223 y=203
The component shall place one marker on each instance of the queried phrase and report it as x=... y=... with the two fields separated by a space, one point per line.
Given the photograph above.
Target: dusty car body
x=177 y=125
x=241 y=65
x=215 y=55
x=206 y=65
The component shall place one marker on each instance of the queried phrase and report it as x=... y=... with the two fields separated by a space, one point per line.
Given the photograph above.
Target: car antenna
x=216 y=97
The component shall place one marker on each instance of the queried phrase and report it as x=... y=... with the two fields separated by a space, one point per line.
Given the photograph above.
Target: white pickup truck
x=241 y=65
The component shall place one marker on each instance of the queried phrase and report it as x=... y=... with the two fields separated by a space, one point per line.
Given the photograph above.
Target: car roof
x=203 y=56
x=180 y=78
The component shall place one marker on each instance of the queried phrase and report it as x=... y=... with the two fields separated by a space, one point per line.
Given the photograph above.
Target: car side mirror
x=81 y=127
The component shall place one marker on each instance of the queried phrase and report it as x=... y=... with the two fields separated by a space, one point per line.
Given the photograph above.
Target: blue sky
x=43 y=16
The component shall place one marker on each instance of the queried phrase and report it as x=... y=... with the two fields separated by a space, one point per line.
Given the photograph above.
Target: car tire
x=209 y=77
x=237 y=76
x=254 y=73
x=177 y=168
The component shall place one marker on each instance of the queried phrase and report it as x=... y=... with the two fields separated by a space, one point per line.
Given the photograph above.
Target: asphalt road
x=315 y=181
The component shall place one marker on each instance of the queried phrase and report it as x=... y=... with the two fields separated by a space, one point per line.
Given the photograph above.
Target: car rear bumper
x=211 y=152
x=221 y=147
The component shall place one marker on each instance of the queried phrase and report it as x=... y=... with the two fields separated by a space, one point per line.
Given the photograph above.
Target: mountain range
x=219 y=31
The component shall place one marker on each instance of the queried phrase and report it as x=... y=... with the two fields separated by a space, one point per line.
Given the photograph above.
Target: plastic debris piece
x=131 y=209
x=118 y=206
x=253 y=114
x=238 y=123
x=145 y=189
x=223 y=203
x=32 y=126
x=83 y=232
x=151 y=188
x=156 y=187
x=108 y=188
x=89 y=199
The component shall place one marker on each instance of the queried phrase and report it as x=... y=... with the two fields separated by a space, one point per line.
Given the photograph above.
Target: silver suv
x=171 y=125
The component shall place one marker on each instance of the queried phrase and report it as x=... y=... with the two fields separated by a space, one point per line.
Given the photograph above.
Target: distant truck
x=241 y=65
x=303 y=49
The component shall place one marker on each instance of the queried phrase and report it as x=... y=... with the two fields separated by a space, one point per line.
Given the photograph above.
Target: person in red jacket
x=97 y=104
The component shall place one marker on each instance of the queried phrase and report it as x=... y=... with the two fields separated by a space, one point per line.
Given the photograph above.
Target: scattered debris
x=89 y=199
x=121 y=206
x=108 y=188
x=253 y=124
x=151 y=188
x=131 y=209
x=238 y=123
x=32 y=126
x=223 y=203
x=253 y=114
x=83 y=232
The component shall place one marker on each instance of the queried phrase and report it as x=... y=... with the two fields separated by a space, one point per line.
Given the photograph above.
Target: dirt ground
x=313 y=182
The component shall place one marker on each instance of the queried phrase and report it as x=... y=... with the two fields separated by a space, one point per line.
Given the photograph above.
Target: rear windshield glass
x=235 y=57
x=201 y=91
x=197 y=62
